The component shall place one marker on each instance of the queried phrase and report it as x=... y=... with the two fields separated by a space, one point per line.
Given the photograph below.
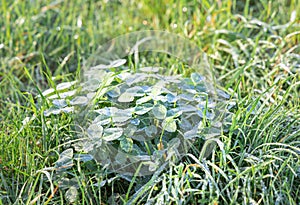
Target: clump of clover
x=138 y=120
x=144 y=118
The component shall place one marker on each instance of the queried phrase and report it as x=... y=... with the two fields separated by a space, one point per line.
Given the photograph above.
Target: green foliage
x=253 y=47
x=149 y=111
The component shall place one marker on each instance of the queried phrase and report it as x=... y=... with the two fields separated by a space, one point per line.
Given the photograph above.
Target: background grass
x=253 y=47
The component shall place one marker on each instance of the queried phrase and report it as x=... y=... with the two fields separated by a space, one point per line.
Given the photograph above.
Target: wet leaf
x=137 y=137
x=135 y=121
x=79 y=100
x=91 y=85
x=201 y=88
x=48 y=91
x=121 y=158
x=174 y=112
x=159 y=111
x=169 y=124
x=102 y=120
x=105 y=111
x=65 y=160
x=186 y=96
x=71 y=195
x=56 y=111
x=126 y=97
x=65 y=85
x=119 y=115
x=185 y=124
x=114 y=92
x=211 y=132
x=59 y=103
x=95 y=131
x=117 y=63
x=196 y=78
x=192 y=91
x=124 y=75
x=83 y=157
x=143 y=109
x=67 y=109
x=143 y=100
x=157 y=88
x=91 y=95
x=126 y=144
x=65 y=183
x=172 y=148
x=136 y=91
x=223 y=94
x=111 y=134
x=130 y=130
x=209 y=115
x=161 y=98
x=171 y=98
x=188 y=108
x=151 y=131
x=146 y=88
x=191 y=134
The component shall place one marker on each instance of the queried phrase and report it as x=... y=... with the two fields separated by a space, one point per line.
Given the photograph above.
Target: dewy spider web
x=134 y=122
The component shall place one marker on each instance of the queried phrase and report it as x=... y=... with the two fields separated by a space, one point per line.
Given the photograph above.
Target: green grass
x=254 y=49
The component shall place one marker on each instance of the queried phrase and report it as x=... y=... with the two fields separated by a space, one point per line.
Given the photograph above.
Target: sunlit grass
x=253 y=47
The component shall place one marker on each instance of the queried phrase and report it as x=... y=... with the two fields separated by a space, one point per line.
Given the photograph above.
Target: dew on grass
x=131 y=116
